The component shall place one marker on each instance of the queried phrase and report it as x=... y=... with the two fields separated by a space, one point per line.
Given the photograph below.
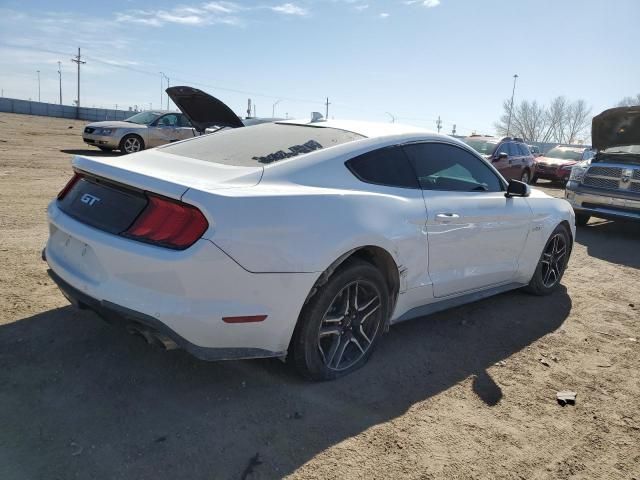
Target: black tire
x=582 y=219
x=128 y=142
x=106 y=149
x=552 y=263
x=525 y=177
x=533 y=180
x=314 y=354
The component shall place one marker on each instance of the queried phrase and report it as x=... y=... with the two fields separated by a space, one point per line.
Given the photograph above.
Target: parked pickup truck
x=608 y=185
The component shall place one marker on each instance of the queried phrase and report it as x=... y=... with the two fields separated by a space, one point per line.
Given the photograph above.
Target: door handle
x=447 y=216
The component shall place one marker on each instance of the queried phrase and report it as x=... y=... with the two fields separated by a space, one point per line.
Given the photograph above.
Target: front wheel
x=340 y=326
x=524 y=178
x=533 y=180
x=552 y=264
x=131 y=144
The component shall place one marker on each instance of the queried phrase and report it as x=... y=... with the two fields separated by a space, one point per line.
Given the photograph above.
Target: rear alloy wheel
x=131 y=144
x=340 y=325
x=552 y=264
x=525 y=177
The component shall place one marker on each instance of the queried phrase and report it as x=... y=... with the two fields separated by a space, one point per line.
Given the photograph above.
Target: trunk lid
x=203 y=110
x=616 y=127
x=167 y=174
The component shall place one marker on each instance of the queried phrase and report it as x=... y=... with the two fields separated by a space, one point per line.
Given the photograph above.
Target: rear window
x=260 y=144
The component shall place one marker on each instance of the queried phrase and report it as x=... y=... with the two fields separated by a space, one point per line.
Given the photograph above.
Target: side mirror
x=517 y=188
x=501 y=156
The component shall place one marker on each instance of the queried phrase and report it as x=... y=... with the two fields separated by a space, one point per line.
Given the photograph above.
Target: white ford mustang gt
x=304 y=240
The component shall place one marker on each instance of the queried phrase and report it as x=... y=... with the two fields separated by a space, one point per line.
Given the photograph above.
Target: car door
x=475 y=234
x=514 y=161
x=163 y=130
x=502 y=164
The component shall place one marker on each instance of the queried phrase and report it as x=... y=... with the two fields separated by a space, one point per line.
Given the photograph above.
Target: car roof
x=366 y=129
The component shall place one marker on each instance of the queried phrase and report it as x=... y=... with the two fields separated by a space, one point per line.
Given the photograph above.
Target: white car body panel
x=274 y=229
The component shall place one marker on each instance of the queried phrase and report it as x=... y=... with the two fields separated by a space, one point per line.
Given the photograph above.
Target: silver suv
x=608 y=185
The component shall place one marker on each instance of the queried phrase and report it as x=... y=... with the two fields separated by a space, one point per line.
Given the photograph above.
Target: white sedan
x=303 y=240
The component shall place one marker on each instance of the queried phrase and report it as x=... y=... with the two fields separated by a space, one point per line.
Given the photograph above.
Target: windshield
x=261 y=144
x=565 y=154
x=482 y=145
x=143 y=118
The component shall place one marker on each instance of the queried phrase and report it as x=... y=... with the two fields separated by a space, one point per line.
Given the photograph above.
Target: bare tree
x=528 y=121
x=556 y=116
x=629 y=101
x=577 y=120
x=561 y=121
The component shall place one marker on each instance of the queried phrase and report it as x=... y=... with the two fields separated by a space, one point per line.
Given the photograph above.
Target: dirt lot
x=469 y=393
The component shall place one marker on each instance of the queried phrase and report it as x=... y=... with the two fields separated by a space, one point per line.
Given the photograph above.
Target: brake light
x=168 y=223
x=69 y=185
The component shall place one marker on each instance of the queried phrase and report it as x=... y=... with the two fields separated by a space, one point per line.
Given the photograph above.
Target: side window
x=184 y=122
x=169 y=120
x=503 y=148
x=524 y=150
x=386 y=166
x=512 y=150
x=446 y=167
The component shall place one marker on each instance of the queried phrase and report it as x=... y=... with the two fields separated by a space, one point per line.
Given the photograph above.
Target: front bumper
x=183 y=294
x=105 y=141
x=612 y=205
x=552 y=173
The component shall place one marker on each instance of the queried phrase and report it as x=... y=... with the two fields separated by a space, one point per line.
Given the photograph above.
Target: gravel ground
x=468 y=393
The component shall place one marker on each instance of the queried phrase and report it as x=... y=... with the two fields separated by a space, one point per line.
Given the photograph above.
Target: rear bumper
x=183 y=294
x=600 y=204
x=127 y=318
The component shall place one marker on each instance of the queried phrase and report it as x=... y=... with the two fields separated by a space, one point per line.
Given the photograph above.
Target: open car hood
x=203 y=110
x=616 y=127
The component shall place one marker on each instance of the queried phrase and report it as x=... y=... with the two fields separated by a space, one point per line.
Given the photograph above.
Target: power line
x=178 y=80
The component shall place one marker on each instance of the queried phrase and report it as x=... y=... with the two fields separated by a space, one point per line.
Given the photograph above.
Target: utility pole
x=167 y=78
x=161 y=89
x=453 y=131
x=515 y=77
x=327 y=109
x=254 y=111
x=60 y=80
x=38 y=72
x=273 y=109
x=248 y=108
x=439 y=124
x=78 y=60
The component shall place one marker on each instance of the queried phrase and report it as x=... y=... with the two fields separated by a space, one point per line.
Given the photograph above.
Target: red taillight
x=69 y=186
x=168 y=223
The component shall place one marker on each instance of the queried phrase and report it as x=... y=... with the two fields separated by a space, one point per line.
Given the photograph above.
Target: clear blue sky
x=415 y=59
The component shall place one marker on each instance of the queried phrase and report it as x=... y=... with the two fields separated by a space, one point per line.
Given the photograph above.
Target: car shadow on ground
x=613 y=241
x=82 y=399
x=91 y=152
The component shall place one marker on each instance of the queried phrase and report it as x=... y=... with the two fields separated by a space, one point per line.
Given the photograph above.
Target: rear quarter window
x=386 y=166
